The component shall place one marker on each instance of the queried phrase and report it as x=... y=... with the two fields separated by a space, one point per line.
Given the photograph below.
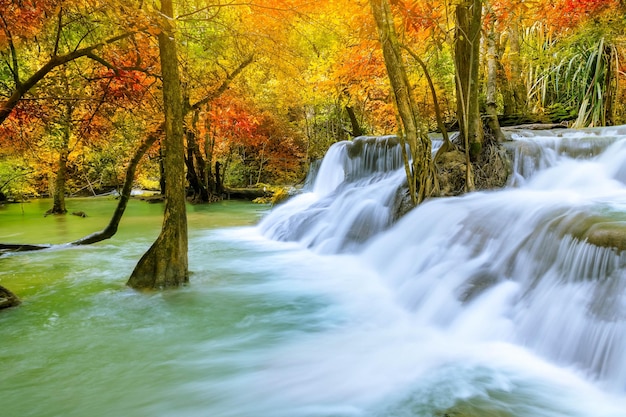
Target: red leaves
x=563 y=14
x=24 y=18
x=419 y=15
x=123 y=84
x=238 y=124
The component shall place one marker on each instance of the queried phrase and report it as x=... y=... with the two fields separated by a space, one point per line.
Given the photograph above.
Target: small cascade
x=351 y=200
x=534 y=151
x=513 y=266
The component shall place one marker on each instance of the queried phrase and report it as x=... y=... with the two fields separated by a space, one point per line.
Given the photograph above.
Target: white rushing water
x=489 y=304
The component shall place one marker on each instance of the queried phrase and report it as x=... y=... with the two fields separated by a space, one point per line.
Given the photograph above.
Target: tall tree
x=420 y=169
x=492 y=75
x=165 y=264
x=468 y=15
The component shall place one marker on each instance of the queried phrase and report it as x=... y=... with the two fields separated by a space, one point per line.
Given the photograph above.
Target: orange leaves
x=123 y=85
x=236 y=124
x=419 y=15
x=24 y=121
x=23 y=18
x=232 y=118
x=565 y=14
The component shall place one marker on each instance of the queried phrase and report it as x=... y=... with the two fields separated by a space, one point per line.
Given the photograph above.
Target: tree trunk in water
x=492 y=77
x=112 y=227
x=166 y=262
x=466 y=60
x=420 y=174
x=58 y=195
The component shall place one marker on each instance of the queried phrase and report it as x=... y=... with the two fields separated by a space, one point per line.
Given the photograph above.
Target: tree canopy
x=267 y=86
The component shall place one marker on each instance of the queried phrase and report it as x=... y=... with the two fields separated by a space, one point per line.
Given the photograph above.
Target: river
x=491 y=304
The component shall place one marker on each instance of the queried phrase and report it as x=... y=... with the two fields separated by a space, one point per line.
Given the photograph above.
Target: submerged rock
x=7 y=298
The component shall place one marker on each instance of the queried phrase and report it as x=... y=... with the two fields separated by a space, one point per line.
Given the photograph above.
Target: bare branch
x=58 y=35
x=7 y=106
x=15 y=67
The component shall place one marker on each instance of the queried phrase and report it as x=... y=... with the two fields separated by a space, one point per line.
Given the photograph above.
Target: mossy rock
x=607 y=235
x=596 y=229
x=7 y=298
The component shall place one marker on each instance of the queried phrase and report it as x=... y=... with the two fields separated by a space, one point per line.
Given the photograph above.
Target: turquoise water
x=84 y=344
x=272 y=329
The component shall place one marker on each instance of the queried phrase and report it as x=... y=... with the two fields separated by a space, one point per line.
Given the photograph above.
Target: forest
x=267 y=86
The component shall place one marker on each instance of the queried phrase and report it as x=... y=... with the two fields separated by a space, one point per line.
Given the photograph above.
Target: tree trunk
x=357 y=130
x=162 y=186
x=492 y=77
x=518 y=103
x=195 y=169
x=111 y=228
x=219 y=183
x=420 y=171
x=165 y=264
x=58 y=195
x=466 y=60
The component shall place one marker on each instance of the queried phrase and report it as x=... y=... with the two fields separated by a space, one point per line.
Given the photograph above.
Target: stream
x=494 y=304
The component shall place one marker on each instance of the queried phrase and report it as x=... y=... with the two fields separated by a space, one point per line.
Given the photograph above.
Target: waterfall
x=539 y=265
x=352 y=198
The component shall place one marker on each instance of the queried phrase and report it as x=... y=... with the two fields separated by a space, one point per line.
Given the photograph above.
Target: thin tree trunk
x=165 y=264
x=518 y=88
x=466 y=58
x=438 y=116
x=357 y=130
x=209 y=147
x=492 y=76
x=58 y=196
x=420 y=168
x=195 y=168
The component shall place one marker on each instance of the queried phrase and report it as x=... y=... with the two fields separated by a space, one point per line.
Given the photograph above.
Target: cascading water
x=530 y=279
x=352 y=199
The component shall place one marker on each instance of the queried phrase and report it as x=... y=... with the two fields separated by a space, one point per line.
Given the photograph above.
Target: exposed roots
x=491 y=169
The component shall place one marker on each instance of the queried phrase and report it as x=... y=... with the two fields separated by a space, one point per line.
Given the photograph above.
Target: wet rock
x=7 y=298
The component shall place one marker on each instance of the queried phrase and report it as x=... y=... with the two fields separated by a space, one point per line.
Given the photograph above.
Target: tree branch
x=58 y=35
x=7 y=106
x=223 y=87
x=15 y=67
x=431 y=85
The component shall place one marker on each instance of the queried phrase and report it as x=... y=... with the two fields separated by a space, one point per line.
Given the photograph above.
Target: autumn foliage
x=269 y=85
